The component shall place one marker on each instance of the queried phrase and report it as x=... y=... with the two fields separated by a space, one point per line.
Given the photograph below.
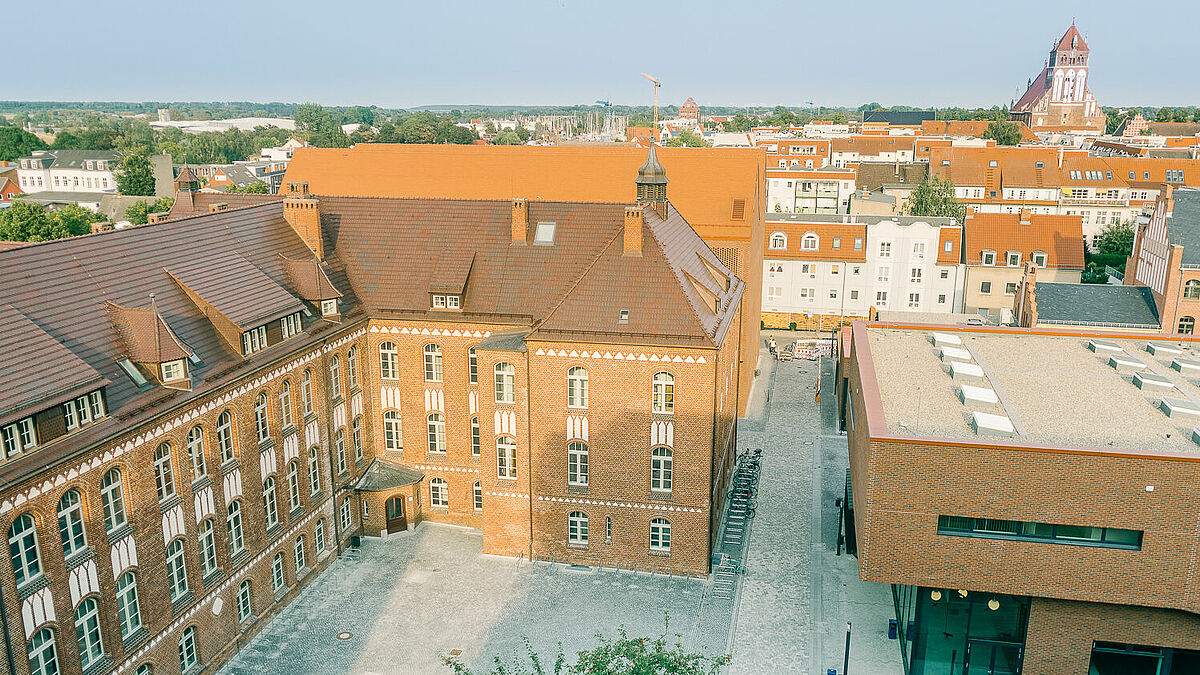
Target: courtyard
x=404 y=604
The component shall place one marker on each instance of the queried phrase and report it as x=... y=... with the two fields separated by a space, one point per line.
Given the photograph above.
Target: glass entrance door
x=992 y=657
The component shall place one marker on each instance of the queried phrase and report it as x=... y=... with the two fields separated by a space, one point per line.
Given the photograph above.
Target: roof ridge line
x=675 y=272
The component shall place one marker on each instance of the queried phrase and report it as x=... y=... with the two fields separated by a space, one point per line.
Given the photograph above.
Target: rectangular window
x=985 y=287
x=172 y=370
x=919 y=250
x=914 y=299
x=1013 y=258
x=837 y=242
x=949 y=246
x=1010 y=288
x=881 y=298
x=329 y=307
x=853 y=295
x=883 y=274
x=916 y=275
x=945 y=274
x=858 y=243
x=439 y=302
x=290 y=325
x=941 y=298
x=988 y=258
x=1080 y=535
x=254 y=340
x=885 y=249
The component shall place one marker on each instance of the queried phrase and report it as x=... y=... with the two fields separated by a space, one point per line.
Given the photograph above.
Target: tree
x=687 y=139
x=16 y=142
x=1163 y=115
x=258 y=187
x=1115 y=239
x=664 y=655
x=416 y=129
x=29 y=221
x=138 y=212
x=934 y=197
x=839 y=117
x=506 y=137
x=1004 y=133
x=76 y=219
x=134 y=174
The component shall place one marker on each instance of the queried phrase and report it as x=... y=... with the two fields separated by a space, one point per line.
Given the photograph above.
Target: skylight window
x=544 y=234
x=623 y=317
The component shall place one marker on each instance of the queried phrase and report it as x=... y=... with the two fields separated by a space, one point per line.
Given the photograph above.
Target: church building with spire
x=1059 y=97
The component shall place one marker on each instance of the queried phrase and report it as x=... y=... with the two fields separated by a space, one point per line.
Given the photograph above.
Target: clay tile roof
x=383 y=475
x=186 y=175
x=39 y=371
x=146 y=335
x=236 y=288
x=1060 y=237
x=308 y=280
x=1065 y=41
x=450 y=271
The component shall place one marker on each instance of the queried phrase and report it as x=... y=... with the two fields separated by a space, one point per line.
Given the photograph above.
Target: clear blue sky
x=402 y=53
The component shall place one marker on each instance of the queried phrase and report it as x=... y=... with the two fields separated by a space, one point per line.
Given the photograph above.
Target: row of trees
x=30 y=221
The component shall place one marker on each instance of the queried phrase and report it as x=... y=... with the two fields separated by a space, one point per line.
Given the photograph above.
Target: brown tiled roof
x=1064 y=43
x=872 y=145
x=236 y=288
x=872 y=176
x=308 y=279
x=1061 y=237
x=38 y=371
x=201 y=201
x=383 y=475
x=146 y=335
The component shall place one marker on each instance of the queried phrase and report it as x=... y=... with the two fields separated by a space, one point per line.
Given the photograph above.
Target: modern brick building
x=1029 y=494
x=201 y=411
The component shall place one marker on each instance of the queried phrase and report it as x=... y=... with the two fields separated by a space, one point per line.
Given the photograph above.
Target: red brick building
x=259 y=379
x=1029 y=495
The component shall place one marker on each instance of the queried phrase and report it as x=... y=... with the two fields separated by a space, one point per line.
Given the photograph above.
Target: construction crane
x=608 y=121
x=656 y=85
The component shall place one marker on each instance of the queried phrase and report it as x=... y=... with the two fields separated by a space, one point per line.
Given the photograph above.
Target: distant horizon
x=405 y=56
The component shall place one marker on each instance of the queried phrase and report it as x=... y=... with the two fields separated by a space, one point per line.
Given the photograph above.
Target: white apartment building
x=822 y=265
x=68 y=171
x=801 y=190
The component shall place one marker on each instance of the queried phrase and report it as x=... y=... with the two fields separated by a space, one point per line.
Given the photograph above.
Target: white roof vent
x=1178 y=407
x=1120 y=361
x=955 y=354
x=987 y=424
x=1104 y=346
x=1152 y=381
x=965 y=371
x=1160 y=349
x=940 y=339
x=981 y=396
x=1187 y=366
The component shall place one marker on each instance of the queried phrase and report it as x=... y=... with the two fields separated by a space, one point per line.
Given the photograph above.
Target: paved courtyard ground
x=411 y=600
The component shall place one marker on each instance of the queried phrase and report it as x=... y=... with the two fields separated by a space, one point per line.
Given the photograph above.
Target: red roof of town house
x=1060 y=237
x=9 y=188
x=872 y=145
x=975 y=128
x=952 y=234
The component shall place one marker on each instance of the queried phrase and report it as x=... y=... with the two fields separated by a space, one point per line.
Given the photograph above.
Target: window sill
x=170 y=503
x=440 y=456
x=302 y=572
x=661 y=496
x=229 y=465
x=577 y=547
x=263 y=446
x=133 y=641
x=439 y=509
x=179 y=605
x=79 y=557
x=119 y=533
x=212 y=578
x=32 y=586
x=102 y=665
x=241 y=557
x=512 y=478
x=316 y=497
x=577 y=489
x=309 y=416
x=274 y=531
x=288 y=431
x=661 y=554
x=282 y=592
x=201 y=483
x=355 y=389
x=295 y=513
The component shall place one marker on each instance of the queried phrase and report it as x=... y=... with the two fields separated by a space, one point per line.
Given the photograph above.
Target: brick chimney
x=220 y=206
x=520 y=221
x=635 y=218
x=1025 y=302
x=1025 y=216
x=303 y=212
x=157 y=217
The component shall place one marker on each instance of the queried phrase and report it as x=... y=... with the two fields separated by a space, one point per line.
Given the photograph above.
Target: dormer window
x=18 y=437
x=291 y=326
x=446 y=301
x=988 y=258
x=329 y=307
x=1012 y=258
x=254 y=340
x=623 y=316
x=173 y=370
x=83 y=410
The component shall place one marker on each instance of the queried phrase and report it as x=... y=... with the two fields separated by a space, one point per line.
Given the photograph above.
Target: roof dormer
x=309 y=281
x=151 y=347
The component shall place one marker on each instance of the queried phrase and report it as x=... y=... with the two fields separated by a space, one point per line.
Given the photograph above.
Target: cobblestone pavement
x=413 y=599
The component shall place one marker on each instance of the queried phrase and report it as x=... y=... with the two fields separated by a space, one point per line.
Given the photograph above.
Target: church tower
x=1059 y=97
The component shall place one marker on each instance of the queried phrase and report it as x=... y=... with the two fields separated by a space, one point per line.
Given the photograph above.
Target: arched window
x=23 y=546
x=319 y=536
x=472 y=366
x=660 y=535
x=260 y=418
x=176 y=570
x=477 y=491
x=1186 y=325
x=577 y=463
x=129 y=612
x=352 y=366
x=164 y=475
x=577 y=387
x=206 y=540
x=244 y=605
x=314 y=471
x=664 y=393
x=778 y=241
x=306 y=395
x=436 y=426
x=270 y=506
x=339 y=445
x=145 y=669
x=577 y=528
x=661 y=469
x=506 y=457
x=225 y=435
x=43 y=653
x=285 y=404
x=188 y=656
x=506 y=383
x=433 y=363
x=335 y=377
x=70 y=523
x=475 y=436
x=810 y=242
x=87 y=632
x=293 y=479
x=439 y=493
x=233 y=525
x=392 y=437
x=356 y=437
x=388 y=368
x=195 y=451
x=1191 y=290
x=298 y=554
x=277 y=579
x=113 y=499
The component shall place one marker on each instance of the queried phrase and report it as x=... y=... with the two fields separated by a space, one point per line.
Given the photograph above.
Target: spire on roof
x=652 y=182
x=186 y=181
